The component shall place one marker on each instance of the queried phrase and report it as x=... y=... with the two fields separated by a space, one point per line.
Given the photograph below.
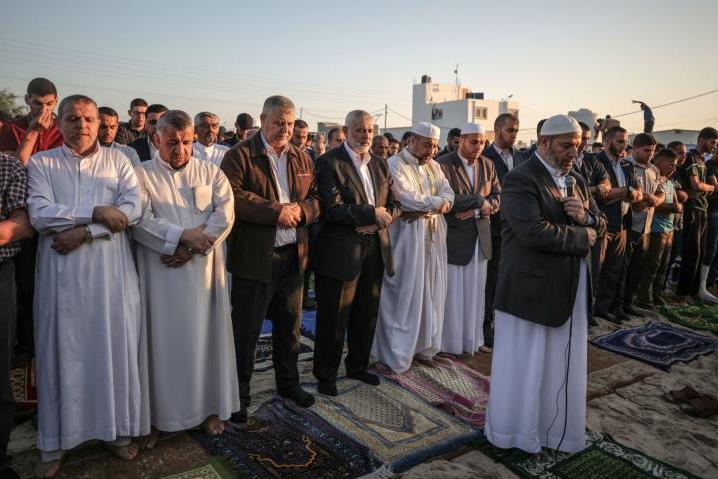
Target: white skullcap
x=472 y=129
x=427 y=130
x=560 y=125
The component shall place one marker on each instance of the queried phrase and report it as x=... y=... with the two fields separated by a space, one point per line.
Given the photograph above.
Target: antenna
x=458 y=82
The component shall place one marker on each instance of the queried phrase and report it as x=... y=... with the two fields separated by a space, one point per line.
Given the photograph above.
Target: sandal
x=704 y=406
x=681 y=395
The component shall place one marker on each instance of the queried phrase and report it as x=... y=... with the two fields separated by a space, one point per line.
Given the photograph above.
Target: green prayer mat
x=215 y=468
x=602 y=458
x=696 y=316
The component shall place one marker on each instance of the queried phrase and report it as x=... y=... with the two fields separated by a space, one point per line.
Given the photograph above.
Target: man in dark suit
x=543 y=299
x=616 y=207
x=352 y=251
x=468 y=240
x=145 y=146
x=275 y=199
x=504 y=157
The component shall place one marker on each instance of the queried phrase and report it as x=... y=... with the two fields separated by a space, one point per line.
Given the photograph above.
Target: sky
x=333 y=57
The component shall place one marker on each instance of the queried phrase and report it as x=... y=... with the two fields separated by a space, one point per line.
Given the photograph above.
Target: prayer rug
x=602 y=458
x=215 y=468
x=398 y=426
x=658 y=344
x=24 y=388
x=309 y=322
x=285 y=441
x=694 y=316
x=263 y=354
x=479 y=361
x=448 y=384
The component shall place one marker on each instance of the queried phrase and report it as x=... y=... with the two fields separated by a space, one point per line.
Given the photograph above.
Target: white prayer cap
x=560 y=125
x=427 y=130
x=472 y=129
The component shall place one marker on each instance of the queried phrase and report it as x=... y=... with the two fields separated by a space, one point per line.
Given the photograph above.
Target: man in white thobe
x=188 y=211
x=538 y=370
x=411 y=308
x=468 y=239
x=206 y=127
x=109 y=122
x=82 y=197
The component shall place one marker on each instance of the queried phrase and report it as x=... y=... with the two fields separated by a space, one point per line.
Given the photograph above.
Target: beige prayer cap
x=560 y=125
x=427 y=130
x=472 y=129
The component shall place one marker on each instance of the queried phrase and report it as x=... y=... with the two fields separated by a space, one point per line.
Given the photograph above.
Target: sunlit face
x=319 y=144
x=393 y=148
x=207 y=130
x=422 y=148
x=560 y=151
x=175 y=146
x=336 y=140
x=78 y=125
x=300 y=137
x=359 y=134
x=40 y=104
x=666 y=166
x=380 y=146
x=506 y=133
x=643 y=154
x=680 y=151
x=151 y=125
x=585 y=136
x=471 y=146
x=137 y=117
x=108 y=129
x=617 y=145
x=707 y=146
x=454 y=143
x=277 y=127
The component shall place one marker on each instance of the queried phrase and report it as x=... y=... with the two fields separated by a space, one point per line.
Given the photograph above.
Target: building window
x=480 y=113
x=437 y=113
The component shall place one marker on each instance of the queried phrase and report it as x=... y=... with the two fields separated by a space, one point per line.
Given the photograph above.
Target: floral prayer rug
x=694 y=316
x=215 y=468
x=285 y=441
x=24 y=387
x=265 y=347
x=602 y=458
x=398 y=426
x=448 y=384
x=658 y=344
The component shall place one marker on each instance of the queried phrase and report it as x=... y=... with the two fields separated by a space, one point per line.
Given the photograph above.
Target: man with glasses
x=145 y=146
x=134 y=129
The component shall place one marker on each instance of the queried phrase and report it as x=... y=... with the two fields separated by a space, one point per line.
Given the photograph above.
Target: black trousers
x=492 y=277
x=25 y=281
x=694 y=242
x=351 y=308
x=8 y=311
x=635 y=253
x=613 y=251
x=280 y=300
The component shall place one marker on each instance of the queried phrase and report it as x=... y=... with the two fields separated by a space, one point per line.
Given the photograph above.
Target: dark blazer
x=592 y=171
x=257 y=207
x=462 y=234
x=541 y=252
x=616 y=220
x=142 y=148
x=344 y=207
x=501 y=171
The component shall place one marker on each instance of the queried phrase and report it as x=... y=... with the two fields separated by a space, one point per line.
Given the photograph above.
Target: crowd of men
x=140 y=259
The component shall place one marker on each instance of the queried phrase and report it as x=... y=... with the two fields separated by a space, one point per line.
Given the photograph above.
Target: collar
x=270 y=149
x=465 y=161
x=500 y=150
x=409 y=158
x=162 y=162
x=70 y=153
x=361 y=160
x=206 y=148
x=553 y=171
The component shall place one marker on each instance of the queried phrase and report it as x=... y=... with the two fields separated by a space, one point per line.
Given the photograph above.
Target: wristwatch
x=88 y=234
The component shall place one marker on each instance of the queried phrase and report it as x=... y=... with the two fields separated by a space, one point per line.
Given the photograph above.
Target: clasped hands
x=383 y=220
x=191 y=240
x=485 y=211
x=411 y=216
x=574 y=209
x=71 y=239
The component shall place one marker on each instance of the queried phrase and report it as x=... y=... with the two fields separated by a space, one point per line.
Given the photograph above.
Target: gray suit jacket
x=462 y=234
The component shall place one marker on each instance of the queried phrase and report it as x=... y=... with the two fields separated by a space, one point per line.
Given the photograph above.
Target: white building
x=687 y=137
x=584 y=115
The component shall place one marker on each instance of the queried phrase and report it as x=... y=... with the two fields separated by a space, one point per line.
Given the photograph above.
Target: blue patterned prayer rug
x=398 y=426
x=285 y=441
x=309 y=322
x=658 y=344
x=265 y=347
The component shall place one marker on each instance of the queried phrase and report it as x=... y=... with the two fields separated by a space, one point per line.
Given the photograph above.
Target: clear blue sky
x=331 y=57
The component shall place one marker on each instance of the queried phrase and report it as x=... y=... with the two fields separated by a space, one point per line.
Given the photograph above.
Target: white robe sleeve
x=410 y=198
x=219 y=224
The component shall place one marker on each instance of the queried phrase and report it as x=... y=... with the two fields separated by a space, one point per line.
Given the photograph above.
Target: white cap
x=560 y=125
x=427 y=130
x=472 y=129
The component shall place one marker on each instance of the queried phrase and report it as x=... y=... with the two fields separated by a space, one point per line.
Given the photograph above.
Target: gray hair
x=198 y=117
x=177 y=119
x=357 y=115
x=277 y=102
x=71 y=100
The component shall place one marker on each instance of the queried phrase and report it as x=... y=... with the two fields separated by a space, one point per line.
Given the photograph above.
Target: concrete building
x=687 y=137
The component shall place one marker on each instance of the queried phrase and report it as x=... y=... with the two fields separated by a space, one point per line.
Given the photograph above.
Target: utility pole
x=386 y=113
x=301 y=110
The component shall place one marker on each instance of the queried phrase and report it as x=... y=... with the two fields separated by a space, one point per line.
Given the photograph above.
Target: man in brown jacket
x=468 y=239
x=275 y=199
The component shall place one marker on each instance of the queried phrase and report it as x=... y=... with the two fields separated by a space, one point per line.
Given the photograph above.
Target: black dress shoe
x=239 y=417
x=299 y=396
x=604 y=314
x=620 y=314
x=366 y=377
x=633 y=311
x=328 y=388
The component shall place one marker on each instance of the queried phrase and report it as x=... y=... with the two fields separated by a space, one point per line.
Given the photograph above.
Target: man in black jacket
x=352 y=251
x=145 y=146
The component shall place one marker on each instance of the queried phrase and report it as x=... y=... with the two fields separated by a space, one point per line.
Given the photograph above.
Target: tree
x=8 y=103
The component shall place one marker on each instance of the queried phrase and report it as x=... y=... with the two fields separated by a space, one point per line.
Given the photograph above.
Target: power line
x=667 y=104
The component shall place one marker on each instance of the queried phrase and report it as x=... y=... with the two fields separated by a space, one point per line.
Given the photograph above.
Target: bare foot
x=150 y=441
x=126 y=453
x=48 y=469
x=213 y=426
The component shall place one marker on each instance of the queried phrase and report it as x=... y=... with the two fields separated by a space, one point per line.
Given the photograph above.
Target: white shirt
x=616 y=164
x=361 y=164
x=214 y=152
x=469 y=168
x=558 y=176
x=129 y=151
x=153 y=148
x=278 y=164
x=506 y=156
